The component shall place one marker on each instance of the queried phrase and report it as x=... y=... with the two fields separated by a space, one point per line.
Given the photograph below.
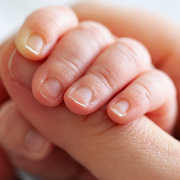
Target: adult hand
x=94 y=147
x=6 y=169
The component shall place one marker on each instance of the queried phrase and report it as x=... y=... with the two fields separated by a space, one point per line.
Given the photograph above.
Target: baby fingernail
x=21 y=69
x=82 y=96
x=120 y=108
x=34 y=141
x=51 y=89
x=35 y=44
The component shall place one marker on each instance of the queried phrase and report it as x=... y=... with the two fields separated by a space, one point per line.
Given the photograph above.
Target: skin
x=162 y=43
x=88 y=57
x=130 y=141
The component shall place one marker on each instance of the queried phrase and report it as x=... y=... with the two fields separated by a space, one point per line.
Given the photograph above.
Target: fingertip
x=31 y=45
x=118 y=112
x=41 y=30
x=126 y=107
x=48 y=92
x=78 y=101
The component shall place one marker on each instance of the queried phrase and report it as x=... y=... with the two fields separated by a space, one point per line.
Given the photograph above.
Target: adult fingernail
x=51 y=90
x=82 y=96
x=34 y=141
x=120 y=108
x=34 y=43
x=22 y=69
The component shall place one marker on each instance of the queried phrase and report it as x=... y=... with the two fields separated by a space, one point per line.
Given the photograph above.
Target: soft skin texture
x=132 y=145
x=160 y=36
x=88 y=66
x=58 y=23
x=106 y=149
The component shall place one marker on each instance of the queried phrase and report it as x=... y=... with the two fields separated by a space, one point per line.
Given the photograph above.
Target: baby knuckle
x=164 y=81
x=72 y=65
x=44 y=20
x=134 y=52
x=141 y=91
x=160 y=77
x=129 y=55
x=106 y=77
x=97 y=32
x=49 y=20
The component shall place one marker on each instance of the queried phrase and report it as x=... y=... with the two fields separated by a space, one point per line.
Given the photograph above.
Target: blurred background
x=13 y=12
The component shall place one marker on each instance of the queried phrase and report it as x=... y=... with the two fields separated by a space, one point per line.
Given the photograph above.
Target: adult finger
x=29 y=150
x=21 y=138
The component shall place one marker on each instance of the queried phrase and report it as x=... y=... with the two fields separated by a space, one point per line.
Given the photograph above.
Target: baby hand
x=86 y=55
x=86 y=66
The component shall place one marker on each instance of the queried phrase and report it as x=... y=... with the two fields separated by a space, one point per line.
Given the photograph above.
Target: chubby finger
x=19 y=137
x=112 y=71
x=108 y=150
x=159 y=35
x=69 y=60
x=153 y=92
x=41 y=30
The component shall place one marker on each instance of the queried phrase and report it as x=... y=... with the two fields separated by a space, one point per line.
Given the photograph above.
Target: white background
x=13 y=12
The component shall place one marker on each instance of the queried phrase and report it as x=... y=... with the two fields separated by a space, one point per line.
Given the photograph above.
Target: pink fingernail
x=82 y=96
x=51 y=90
x=120 y=108
x=34 y=43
